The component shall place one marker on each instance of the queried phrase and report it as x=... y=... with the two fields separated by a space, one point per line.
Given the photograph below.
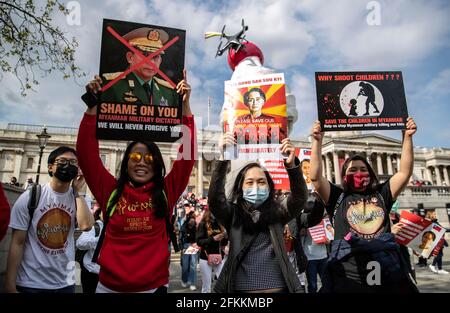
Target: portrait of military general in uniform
x=143 y=85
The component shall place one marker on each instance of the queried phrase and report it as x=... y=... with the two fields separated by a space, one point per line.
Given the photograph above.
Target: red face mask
x=358 y=181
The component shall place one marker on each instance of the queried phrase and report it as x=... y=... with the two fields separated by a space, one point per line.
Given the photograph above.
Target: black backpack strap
x=33 y=201
x=338 y=203
x=109 y=210
x=97 y=229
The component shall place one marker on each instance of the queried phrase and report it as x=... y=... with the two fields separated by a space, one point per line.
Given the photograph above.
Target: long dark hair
x=211 y=224
x=373 y=177
x=270 y=209
x=159 y=170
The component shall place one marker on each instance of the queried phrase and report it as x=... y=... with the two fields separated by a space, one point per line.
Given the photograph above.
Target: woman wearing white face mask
x=254 y=220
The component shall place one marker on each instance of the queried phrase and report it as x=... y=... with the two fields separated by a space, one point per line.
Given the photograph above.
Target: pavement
x=429 y=282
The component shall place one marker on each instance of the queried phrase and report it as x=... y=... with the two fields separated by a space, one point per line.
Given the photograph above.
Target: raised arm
x=85 y=219
x=320 y=183
x=99 y=180
x=399 y=181
x=178 y=178
x=315 y=215
x=296 y=200
x=217 y=201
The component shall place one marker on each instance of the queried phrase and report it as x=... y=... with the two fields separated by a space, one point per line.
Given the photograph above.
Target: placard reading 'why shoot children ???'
x=361 y=101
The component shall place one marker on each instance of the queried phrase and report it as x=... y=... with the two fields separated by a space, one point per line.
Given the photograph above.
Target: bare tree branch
x=30 y=43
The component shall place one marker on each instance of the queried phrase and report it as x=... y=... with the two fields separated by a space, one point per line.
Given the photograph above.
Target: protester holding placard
x=212 y=238
x=437 y=261
x=406 y=252
x=190 y=252
x=359 y=211
x=137 y=206
x=254 y=220
x=317 y=255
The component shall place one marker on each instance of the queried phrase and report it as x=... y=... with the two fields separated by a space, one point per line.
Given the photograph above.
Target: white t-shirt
x=88 y=241
x=313 y=251
x=49 y=256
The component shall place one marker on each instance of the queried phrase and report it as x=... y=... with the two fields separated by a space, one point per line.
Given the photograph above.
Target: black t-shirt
x=364 y=214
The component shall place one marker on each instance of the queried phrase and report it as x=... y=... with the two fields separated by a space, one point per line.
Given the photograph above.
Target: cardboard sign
x=361 y=100
x=438 y=247
x=140 y=66
x=255 y=112
x=305 y=163
x=418 y=233
x=322 y=232
x=278 y=172
x=192 y=250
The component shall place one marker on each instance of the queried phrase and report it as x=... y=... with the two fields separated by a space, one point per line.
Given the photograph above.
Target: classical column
x=337 y=171
x=200 y=177
x=446 y=179
x=369 y=158
x=113 y=162
x=389 y=164
x=17 y=163
x=395 y=163
x=379 y=164
x=438 y=176
x=324 y=166
x=328 y=161
x=347 y=155
x=429 y=175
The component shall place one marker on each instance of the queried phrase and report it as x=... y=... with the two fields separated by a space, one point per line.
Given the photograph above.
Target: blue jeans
x=68 y=289
x=438 y=260
x=313 y=268
x=189 y=267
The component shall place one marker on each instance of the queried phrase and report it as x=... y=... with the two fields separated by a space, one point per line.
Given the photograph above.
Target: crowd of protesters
x=254 y=239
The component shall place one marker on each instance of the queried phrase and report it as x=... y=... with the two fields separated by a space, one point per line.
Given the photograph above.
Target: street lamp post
x=43 y=138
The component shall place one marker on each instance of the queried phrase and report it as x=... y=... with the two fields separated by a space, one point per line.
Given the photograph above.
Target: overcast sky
x=297 y=38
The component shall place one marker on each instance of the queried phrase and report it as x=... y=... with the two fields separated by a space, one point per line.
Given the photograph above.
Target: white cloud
x=305 y=95
x=296 y=36
x=409 y=31
x=440 y=85
x=274 y=27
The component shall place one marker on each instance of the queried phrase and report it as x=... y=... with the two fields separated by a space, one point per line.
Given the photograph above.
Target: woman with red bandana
x=136 y=206
x=359 y=211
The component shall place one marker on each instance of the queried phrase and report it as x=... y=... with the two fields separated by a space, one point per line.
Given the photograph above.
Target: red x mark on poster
x=144 y=59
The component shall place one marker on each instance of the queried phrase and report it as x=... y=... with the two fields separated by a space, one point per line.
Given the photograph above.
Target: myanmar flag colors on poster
x=255 y=112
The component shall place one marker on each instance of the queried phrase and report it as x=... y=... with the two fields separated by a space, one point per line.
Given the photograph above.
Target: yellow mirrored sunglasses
x=137 y=157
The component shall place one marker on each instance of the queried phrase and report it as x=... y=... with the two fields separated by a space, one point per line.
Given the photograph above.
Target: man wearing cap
x=142 y=86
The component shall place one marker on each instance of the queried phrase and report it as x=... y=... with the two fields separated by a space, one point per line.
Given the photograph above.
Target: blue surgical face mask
x=257 y=195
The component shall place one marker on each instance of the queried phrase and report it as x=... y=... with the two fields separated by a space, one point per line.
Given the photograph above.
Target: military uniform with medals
x=133 y=89
x=130 y=90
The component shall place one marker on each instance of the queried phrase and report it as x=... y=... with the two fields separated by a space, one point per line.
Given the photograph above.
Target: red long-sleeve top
x=134 y=255
x=4 y=213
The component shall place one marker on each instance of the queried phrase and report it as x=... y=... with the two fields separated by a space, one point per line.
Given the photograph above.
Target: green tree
x=30 y=43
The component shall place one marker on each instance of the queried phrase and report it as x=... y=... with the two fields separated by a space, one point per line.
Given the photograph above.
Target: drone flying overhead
x=238 y=47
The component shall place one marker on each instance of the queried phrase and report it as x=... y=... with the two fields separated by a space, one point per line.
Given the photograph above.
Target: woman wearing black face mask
x=360 y=214
x=254 y=220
